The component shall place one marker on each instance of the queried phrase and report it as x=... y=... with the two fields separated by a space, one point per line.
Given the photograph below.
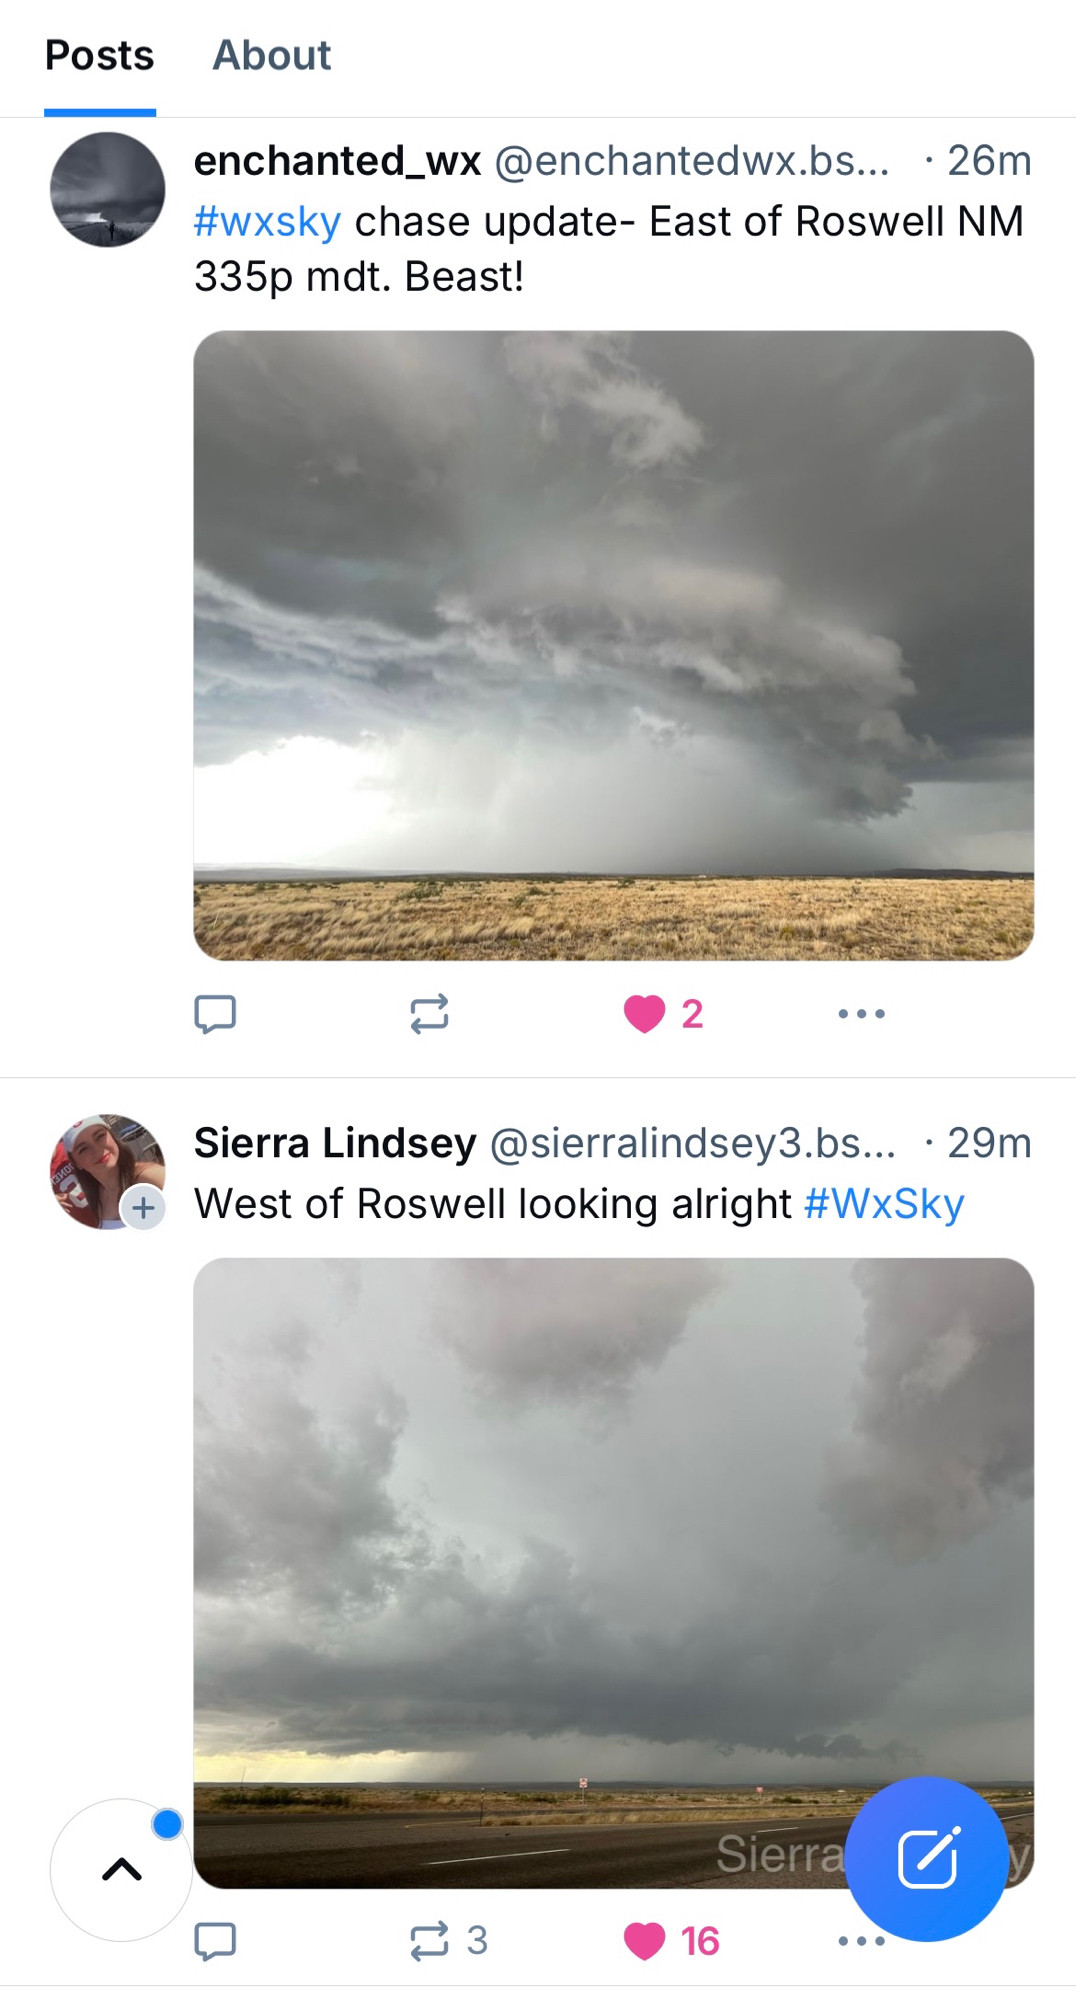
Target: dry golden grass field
x=623 y=1807
x=509 y=1808
x=637 y=917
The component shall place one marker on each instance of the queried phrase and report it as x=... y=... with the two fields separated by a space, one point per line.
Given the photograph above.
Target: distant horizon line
x=572 y=1784
x=222 y=873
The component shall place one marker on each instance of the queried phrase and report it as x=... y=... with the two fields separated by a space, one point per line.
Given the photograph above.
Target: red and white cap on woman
x=83 y=1125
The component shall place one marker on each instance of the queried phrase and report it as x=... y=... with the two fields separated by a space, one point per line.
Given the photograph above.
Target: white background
x=102 y=970
x=102 y=1485
x=102 y=722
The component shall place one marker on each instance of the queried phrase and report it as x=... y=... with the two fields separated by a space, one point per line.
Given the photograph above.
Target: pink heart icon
x=645 y=1939
x=644 y=1011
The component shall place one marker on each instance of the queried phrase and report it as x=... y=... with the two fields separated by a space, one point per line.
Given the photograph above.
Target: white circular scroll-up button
x=116 y=1875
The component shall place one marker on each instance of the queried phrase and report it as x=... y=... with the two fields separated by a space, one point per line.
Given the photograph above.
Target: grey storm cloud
x=585 y=1331
x=251 y=1536
x=774 y=587
x=411 y=1536
x=943 y=1428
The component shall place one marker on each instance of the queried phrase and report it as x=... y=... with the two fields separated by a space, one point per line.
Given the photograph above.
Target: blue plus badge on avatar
x=926 y=1859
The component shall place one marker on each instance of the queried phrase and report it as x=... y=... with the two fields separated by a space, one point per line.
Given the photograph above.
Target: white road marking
x=509 y=1854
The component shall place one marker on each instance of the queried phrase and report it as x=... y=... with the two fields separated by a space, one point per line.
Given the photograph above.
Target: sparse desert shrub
x=424 y=891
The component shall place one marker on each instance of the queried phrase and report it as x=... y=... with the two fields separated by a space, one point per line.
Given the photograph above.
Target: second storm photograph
x=638 y=646
x=604 y=1573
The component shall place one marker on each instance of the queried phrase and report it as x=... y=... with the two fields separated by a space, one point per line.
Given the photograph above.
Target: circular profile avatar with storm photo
x=107 y=189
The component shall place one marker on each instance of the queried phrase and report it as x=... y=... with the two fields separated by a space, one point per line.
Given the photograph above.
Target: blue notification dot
x=926 y=1859
x=167 y=1824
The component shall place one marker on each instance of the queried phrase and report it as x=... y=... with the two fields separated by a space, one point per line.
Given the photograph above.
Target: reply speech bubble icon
x=214 y=1941
x=214 y=1010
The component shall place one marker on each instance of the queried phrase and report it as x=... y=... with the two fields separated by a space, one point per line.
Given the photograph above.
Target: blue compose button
x=926 y=1859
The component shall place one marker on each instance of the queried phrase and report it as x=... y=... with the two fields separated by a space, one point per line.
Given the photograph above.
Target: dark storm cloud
x=659 y=555
x=350 y=1543
x=411 y=1536
x=108 y=174
x=943 y=1420
x=543 y=1657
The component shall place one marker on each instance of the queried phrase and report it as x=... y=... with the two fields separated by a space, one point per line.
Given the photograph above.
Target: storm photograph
x=107 y=189
x=611 y=645
x=585 y=1566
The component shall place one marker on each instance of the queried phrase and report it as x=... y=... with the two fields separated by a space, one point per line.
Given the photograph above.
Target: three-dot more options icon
x=122 y=1869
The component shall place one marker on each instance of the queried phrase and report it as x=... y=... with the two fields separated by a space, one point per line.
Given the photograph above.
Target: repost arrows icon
x=428 y=1951
x=418 y=1025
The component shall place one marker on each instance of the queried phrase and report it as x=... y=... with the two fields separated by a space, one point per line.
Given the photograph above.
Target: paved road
x=332 y=1851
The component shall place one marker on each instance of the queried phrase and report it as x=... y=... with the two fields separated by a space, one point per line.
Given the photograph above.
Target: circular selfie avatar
x=101 y=1166
x=107 y=189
